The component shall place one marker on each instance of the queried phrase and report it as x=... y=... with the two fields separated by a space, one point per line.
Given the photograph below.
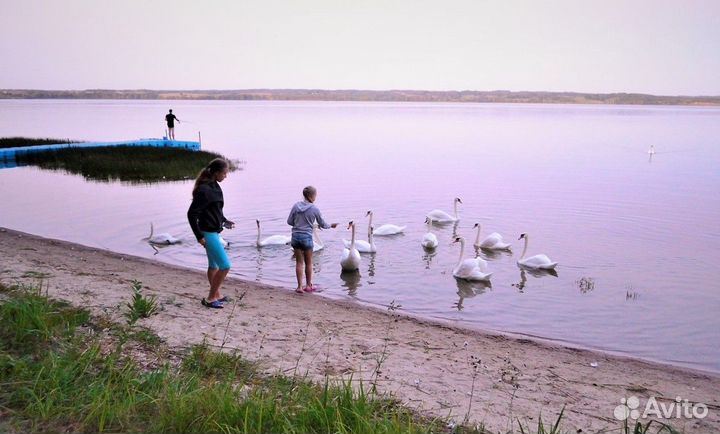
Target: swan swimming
x=494 y=241
x=537 y=262
x=429 y=240
x=442 y=217
x=471 y=268
x=350 y=259
x=162 y=238
x=273 y=240
x=363 y=246
x=386 y=229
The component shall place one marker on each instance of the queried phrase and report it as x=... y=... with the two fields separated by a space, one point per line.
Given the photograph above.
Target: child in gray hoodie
x=303 y=216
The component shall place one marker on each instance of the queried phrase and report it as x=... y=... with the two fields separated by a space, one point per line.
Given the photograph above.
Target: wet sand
x=434 y=367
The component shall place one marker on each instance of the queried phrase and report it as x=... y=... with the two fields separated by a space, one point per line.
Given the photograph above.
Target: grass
x=62 y=370
x=141 y=306
x=12 y=142
x=131 y=164
x=55 y=379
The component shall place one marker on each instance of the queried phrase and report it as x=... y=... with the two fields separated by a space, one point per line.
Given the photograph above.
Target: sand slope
x=430 y=366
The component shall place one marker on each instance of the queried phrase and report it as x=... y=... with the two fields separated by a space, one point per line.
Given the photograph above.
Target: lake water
x=635 y=237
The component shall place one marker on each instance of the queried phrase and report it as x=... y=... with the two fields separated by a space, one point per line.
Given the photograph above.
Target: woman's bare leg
x=217 y=279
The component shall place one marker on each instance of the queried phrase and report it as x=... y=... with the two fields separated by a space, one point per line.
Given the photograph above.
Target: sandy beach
x=433 y=367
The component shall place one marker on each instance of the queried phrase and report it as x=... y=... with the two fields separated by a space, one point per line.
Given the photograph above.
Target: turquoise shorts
x=217 y=257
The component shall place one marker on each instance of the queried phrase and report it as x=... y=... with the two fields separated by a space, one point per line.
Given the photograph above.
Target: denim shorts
x=302 y=241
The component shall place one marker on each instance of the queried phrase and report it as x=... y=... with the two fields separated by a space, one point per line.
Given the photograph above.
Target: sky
x=658 y=47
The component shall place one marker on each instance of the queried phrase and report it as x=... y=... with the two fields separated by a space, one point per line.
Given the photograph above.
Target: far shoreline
x=349 y=95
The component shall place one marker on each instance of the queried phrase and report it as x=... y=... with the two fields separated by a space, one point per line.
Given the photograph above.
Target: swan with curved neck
x=162 y=238
x=443 y=217
x=350 y=259
x=471 y=268
x=429 y=240
x=494 y=241
x=386 y=229
x=537 y=262
x=365 y=246
x=273 y=240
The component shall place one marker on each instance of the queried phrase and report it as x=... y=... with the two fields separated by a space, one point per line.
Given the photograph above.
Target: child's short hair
x=309 y=192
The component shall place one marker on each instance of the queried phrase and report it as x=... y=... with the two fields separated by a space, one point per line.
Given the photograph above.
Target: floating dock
x=8 y=156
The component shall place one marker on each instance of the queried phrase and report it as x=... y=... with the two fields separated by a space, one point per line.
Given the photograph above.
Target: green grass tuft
x=141 y=306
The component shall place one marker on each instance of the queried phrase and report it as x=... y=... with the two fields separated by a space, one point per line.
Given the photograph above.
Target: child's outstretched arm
x=321 y=222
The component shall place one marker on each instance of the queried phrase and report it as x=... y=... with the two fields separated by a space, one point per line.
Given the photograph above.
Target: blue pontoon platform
x=8 y=156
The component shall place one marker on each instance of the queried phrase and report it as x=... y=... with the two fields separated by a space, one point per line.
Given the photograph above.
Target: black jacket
x=206 y=210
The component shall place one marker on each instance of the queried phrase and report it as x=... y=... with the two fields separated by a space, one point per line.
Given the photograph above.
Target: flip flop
x=311 y=288
x=298 y=291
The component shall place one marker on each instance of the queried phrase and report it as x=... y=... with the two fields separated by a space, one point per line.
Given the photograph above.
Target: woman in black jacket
x=207 y=221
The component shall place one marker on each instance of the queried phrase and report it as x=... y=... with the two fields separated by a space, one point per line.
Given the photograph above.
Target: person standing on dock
x=170 y=118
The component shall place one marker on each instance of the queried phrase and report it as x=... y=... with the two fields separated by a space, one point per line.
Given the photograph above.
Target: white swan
x=494 y=241
x=386 y=229
x=365 y=246
x=443 y=217
x=273 y=240
x=471 y=268
x=317 y=242
x=163 y=238
x=537 y=262
x=350 y=259
x=429 y=240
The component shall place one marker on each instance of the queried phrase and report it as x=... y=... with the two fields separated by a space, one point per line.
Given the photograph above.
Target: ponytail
x=208 y=173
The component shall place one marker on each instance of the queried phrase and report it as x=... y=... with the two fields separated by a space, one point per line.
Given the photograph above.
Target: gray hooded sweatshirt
x=303 y=215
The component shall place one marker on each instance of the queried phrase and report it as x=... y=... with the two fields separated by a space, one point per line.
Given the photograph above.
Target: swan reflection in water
x=259 y=259
x=455 y=228
x=351 y=281
x=428 y=255
x=492 y=255
x=535 y=273
x=468 y=289
x=371 y=266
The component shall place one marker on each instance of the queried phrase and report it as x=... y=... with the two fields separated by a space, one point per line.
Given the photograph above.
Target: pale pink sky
x=649 y=46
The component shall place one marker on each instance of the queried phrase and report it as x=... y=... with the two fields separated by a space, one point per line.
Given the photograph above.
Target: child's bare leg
x=299 y=265
x=308 y=266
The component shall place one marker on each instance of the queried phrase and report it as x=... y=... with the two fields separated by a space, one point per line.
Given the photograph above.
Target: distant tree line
x=496 y=96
